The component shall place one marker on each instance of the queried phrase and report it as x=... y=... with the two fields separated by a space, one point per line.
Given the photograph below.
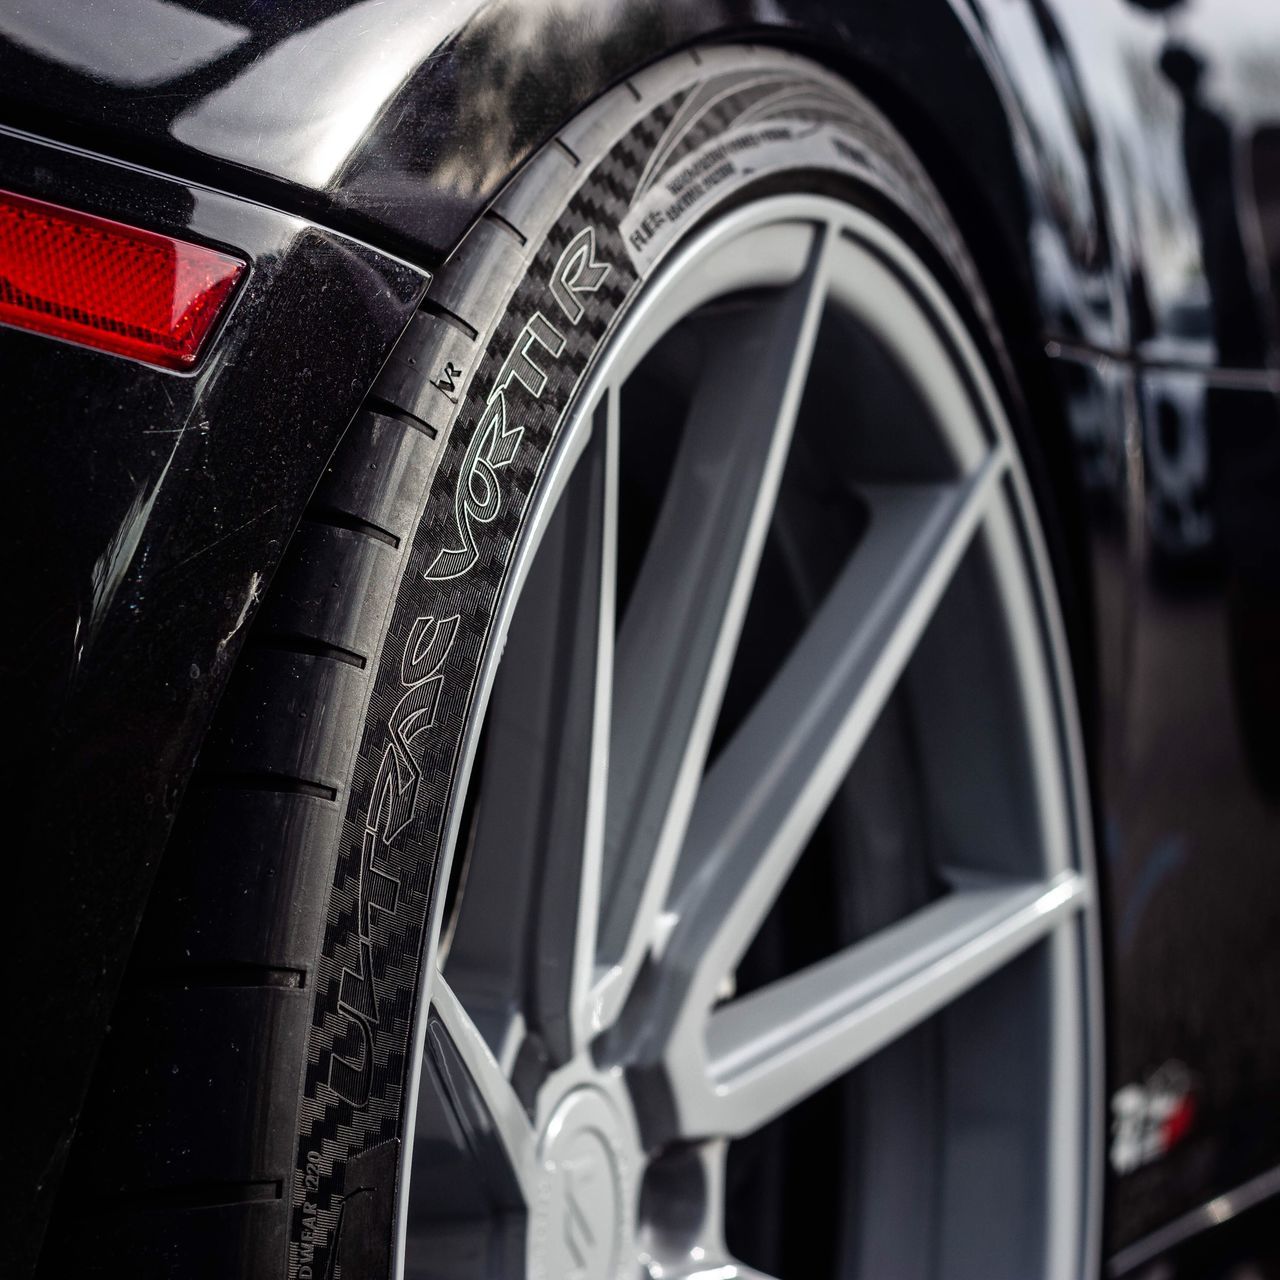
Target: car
x=644 y=636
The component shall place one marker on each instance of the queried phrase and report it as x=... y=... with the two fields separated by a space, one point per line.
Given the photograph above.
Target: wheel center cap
x=582 y=1226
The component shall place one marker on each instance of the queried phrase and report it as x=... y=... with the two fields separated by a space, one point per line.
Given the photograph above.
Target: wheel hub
x=582 y=1223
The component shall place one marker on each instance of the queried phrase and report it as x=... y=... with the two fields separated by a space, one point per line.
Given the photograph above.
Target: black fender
x=402 y=120
x=146 y=512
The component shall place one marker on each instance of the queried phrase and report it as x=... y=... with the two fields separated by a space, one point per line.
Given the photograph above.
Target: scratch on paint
x=208 y=546
x=255 y=583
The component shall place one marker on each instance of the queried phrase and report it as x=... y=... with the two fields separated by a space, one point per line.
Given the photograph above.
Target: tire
x=249 y=1114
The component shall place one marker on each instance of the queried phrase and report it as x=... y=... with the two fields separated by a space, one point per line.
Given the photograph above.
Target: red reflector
x=105 y=285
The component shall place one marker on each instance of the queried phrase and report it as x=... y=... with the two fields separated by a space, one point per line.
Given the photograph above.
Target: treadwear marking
x=707 y=174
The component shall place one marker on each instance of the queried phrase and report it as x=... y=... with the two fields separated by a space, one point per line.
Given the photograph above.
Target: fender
x=148 y=512
x=403 y=119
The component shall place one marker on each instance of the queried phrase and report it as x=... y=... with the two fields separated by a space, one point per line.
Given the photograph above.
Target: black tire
x=236 y=1126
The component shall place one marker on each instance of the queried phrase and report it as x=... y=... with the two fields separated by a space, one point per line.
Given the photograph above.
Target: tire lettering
x=395 y=797
x=494 y=444
x=578 y=271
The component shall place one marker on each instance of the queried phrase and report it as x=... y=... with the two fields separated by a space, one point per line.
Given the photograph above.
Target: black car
x=644 y=635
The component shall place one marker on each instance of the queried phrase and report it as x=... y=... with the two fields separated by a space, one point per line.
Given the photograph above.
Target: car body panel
x=1114 y=167
x=149 y=511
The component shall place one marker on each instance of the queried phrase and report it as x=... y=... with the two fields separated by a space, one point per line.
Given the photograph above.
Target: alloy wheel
x=783 y=601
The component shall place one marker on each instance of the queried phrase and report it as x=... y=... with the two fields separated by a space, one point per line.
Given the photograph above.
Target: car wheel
x=648 y=828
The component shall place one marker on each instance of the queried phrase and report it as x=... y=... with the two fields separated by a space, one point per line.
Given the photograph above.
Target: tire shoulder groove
x=429 y=306
x=193 y=977
x=264 y=781
x=376 y=404
x=339 y=519
x=310 y=646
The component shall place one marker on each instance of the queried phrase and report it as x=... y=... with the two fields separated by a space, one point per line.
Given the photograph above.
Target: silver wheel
x=777 y=805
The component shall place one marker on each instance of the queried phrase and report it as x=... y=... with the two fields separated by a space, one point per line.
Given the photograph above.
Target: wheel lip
x=617 y=354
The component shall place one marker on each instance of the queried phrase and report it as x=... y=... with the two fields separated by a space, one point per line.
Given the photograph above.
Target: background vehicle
x=234 y=834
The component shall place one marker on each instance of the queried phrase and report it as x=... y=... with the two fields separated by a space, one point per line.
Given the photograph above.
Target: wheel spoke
x=677 y=639
x=494 y=1102
x=545 y=768
x=761 y=800
x=767 y=1051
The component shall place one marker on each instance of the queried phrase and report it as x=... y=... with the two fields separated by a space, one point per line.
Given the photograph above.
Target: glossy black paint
x=1176 y=417
x=1114 y=165
x=146 y=512
x=401 y=119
